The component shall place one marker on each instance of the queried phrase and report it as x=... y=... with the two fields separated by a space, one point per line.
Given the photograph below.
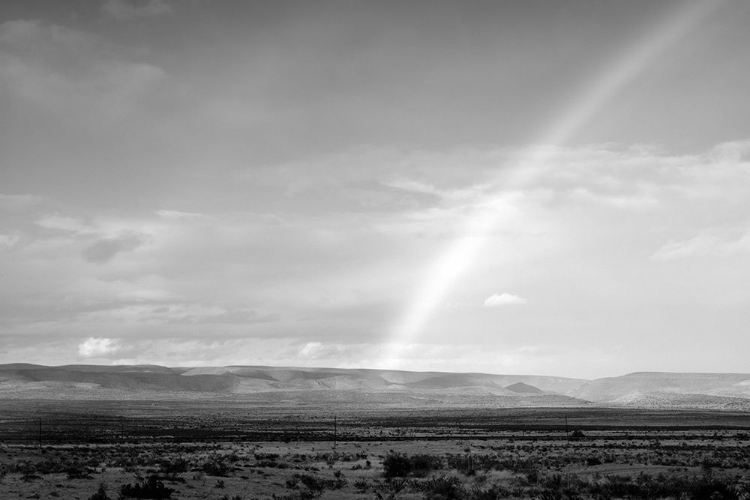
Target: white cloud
x=503 y=299
x=97 y=347
x=312 y=350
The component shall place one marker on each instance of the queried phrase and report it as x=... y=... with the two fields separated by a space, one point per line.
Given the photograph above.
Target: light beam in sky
x=447 y=268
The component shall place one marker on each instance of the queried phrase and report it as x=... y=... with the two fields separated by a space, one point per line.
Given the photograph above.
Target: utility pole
x=40 y=433
x=567 y=436
x=335 y=431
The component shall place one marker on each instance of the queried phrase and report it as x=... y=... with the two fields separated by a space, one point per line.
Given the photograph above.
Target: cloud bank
x=595 y=232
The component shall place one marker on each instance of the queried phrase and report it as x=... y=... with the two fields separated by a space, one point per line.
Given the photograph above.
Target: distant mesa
x=521 y=388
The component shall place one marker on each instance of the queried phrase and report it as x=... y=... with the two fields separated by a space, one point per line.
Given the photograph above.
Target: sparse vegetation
x=153 y=487
x=473 y=458
x=101 y=493
x=396 y=464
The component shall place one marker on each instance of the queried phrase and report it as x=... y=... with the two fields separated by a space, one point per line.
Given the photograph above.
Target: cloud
x=65 y=223
x=176 y=214
x=707 y=243
x=124 y=10
x=639 y=177
x=503 y=299
x=731 y=152
x=97 y=347
x=110 y=236
x=74 y=74
x=8 y=240
x=106 y=248
x=382 y=179
x=568 y=239
x=18 y=202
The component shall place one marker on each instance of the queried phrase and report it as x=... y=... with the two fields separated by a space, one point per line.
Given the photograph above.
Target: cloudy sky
x=517 y=186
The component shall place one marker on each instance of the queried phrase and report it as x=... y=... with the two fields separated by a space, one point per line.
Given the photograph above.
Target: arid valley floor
x=346 y=444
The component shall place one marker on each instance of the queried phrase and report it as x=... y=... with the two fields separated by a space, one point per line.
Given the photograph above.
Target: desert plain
x=153 y=432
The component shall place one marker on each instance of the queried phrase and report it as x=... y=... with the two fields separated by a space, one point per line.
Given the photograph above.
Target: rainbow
x=455 y=258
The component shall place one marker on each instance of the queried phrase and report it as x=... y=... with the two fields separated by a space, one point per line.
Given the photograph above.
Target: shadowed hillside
x=521 y=388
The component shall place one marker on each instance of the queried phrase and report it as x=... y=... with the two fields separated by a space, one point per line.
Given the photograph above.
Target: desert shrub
x=339 y=481
x=316 y=485
x=101 y=493
x=492 y=493
x=714 y=489
x=443 y=488
x=550 y=494
x=313 y=484
x=558 y=488
x=396 y=465
x=390 y=488
x=153 y=487
x=299 y=495
x=267 y=463
x=48 y=466
x=644 y=487
x=78 y=471
x=468 y=464
x=216 y=466
x=175 y=466
x=362 y=485
x=421 y=465
x=292 y=482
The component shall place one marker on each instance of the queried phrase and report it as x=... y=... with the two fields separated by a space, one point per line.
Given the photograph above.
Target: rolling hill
x=129 y=382
x=665 y=390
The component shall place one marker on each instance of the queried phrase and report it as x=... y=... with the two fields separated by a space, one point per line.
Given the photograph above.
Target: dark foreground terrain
x=308 y=447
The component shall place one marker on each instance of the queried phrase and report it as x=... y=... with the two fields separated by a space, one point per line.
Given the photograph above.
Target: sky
x=511 y=186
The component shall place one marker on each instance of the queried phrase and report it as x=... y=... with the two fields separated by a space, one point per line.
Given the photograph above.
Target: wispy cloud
x=19 y=202
x=503 y=299
x=707 y=243
x=66 y=223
